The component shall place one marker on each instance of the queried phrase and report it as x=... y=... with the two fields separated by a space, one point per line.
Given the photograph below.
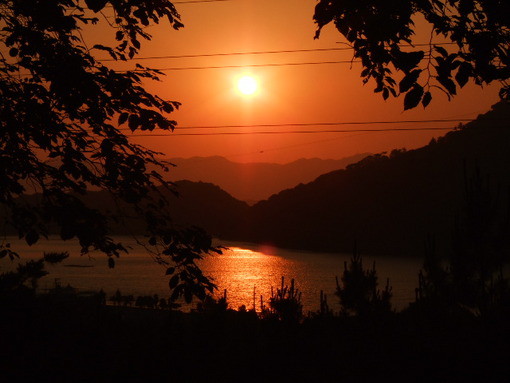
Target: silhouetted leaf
x=413 y=97
x=175 y=295
x=123 y=118
x=133 y=122
x=32 y=237
x=96 y=5
x=463 y=74
x=504 y=93
x=385 y=93
x=427 y=97
x=448 y=84
x=443 y=52
x=188 y=295
x=102 y=47
x=55 y=257
x=67 y=232
x=111 y=262
x=174 y=281
x=409 y=80
x=406 y=61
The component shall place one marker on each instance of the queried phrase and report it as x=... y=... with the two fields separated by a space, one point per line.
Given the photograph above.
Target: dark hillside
x=389 y=203
x=197 y=203
x=208 y=206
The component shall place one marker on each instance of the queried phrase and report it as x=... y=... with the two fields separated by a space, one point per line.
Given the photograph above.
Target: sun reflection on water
x=248 y=274
x=241 y=270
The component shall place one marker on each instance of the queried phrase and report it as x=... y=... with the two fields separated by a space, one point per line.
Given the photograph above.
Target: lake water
x=241 y=269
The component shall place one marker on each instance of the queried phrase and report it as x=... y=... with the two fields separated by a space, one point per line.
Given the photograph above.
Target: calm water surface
x=242 y=269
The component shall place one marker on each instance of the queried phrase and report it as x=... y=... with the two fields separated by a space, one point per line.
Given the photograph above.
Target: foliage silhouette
x=358 y=292
x=55 y=257
x=59 y=118
x=286 y=303
x=23 y=283
x=124 y=342
x=212 y=305
x=381 y=34
x=472 y=275
x=433 y=281
x=324 y=310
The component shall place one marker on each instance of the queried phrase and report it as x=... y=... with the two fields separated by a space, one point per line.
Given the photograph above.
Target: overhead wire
x=271 y=132
x=315 y=131
x=337 y=123
x=254 y=65
x=4 y=7
x=199 y=1
x=222 y=54
x=187 y=2
x=230 y=66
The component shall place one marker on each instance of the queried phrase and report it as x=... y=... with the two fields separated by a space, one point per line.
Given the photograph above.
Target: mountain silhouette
x=252 y=182
x=389 y=203
x=208 y=206
x=195 y=204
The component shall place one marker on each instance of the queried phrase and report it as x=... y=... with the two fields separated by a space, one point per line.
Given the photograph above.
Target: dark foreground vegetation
x=446 y=335
x=52 y=337
x=67 y=340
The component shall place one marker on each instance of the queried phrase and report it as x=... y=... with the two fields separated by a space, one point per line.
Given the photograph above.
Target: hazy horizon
x=265 y=162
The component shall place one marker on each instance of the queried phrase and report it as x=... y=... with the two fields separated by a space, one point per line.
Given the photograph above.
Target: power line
x=233 y=54
x=315 y=131
x=441 y=120
x=339 y=123
x=222 y=54
x=173 y=2
x=186 y=2
x=289 y=132
x=199 y=1
x=234 y=66
x=253 y=65
x=256 y=65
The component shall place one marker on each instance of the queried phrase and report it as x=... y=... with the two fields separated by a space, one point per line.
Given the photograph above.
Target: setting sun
x=247 y=85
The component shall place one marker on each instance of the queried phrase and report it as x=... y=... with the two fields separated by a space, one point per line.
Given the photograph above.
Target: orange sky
x=287 y=94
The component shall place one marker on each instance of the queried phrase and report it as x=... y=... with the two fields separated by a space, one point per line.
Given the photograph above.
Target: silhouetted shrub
x=358 y=291
x=286 y=303
x=212 y=305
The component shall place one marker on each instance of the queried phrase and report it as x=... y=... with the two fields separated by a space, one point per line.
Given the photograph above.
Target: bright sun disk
x=247 y=85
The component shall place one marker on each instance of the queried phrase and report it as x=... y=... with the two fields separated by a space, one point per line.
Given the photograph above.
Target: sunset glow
x=279 y=87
